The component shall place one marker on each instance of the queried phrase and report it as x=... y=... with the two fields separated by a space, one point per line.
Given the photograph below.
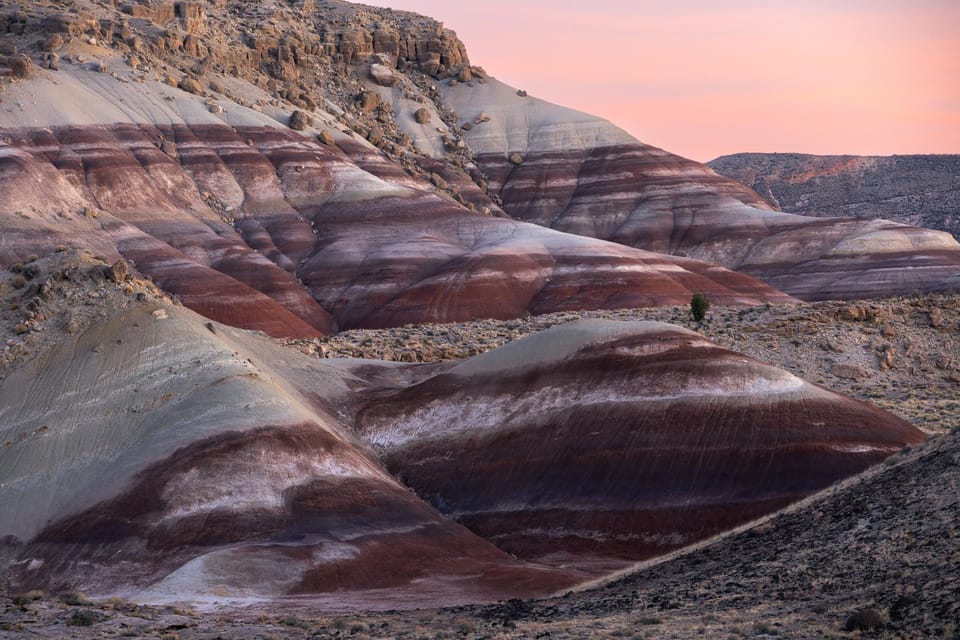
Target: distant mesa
x=922 y=190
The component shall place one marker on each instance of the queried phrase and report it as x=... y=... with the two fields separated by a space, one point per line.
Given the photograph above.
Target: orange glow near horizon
x=867 y=77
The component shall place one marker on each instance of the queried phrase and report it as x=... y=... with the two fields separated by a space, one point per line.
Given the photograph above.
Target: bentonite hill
x=195 y=196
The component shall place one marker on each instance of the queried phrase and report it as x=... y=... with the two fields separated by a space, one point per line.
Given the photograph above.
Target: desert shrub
x=864 y=620
x=74 y=599
x=699 y=305
x=21 y=599
x=84 y=618
x=18 y=281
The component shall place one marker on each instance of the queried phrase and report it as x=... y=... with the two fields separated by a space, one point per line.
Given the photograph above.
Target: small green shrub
x=699 y=305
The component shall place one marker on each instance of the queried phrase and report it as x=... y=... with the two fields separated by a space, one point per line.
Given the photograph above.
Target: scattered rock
x=375 y=136
x=480 y=119
x=888 y=358
x=516 y=158
x=383 y=75
x=326 y=137
x=20 y=66
x=299 y=121
x=849 y=372
x=857 y=313
x=191 y=85
x=169 y=148
x=936 y=318
x=368 y=100
x=118 y=271
x=52 y=42
x=438 y=181
x=422 y=116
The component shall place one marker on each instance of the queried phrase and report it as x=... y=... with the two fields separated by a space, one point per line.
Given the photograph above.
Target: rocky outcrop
x=165 y=457
x=579 y=174
x=921 y=190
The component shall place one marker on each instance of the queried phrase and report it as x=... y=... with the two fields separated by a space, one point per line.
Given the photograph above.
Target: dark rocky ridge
x=922 y=190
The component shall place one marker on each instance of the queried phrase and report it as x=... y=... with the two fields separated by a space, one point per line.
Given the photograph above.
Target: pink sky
x=857 y=76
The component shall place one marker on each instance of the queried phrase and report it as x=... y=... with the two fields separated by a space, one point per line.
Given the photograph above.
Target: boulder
x=326 y=137
x=20 y=66
x=191 y=85
x=299 y=121
x=383 y=75
x=368 y=100
x=422 y=116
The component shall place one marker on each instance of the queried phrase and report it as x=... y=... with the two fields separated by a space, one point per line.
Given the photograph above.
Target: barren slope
x=922 y=190
x=580 y=174
x=258 y=226
x=153 y=455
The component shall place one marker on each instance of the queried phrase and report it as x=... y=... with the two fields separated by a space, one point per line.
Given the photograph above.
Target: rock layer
x=597 y=443
x=261 y=227
x=163 y=457
x=156 y=456
x=582 y=175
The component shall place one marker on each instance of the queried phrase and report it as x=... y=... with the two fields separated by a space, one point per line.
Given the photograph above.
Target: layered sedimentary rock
x=915 y=189
x=580 y=174
x=160 y=456
x=258 y=226
x=597 y=443
x=156 y=456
